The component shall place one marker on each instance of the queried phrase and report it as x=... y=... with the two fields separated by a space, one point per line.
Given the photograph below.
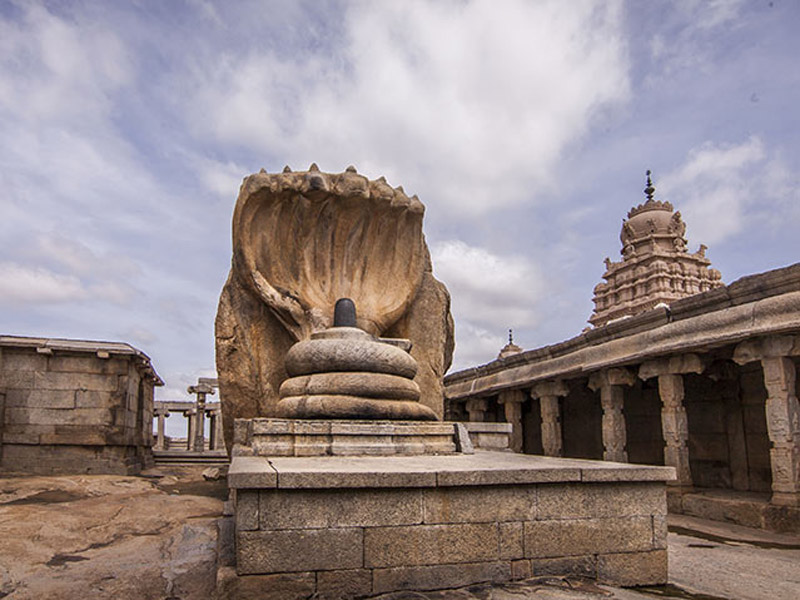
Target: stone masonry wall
x=340 y=543
x=68 y=412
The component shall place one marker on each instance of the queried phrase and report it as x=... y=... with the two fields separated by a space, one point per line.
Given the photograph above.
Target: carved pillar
x=548 y=393
x=675 y=426
x=202 y=388
x=782 y=410
x=476 y=408
x=610 y=382
x=512 y=404
x=674 y=423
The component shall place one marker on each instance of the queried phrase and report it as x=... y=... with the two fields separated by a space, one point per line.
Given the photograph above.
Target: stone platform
x=748 y=509
x=350 y=526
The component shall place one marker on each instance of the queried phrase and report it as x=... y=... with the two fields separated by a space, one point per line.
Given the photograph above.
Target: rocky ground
x=156 y=537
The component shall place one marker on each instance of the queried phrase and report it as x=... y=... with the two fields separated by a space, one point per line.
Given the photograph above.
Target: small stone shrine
x=332 y=339
x=75 y=406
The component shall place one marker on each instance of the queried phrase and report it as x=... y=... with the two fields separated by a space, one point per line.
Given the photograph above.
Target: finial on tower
x=510 y=337
x=650 y=188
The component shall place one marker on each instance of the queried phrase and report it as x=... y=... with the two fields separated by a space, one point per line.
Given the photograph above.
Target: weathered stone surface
x=511 y=543
x=638 y=568
x=438 y=576
x=251 y=472
x=106 y=536
x=247 y=510
x=480 y=505
x=301 y=509
x=280 y=586
x=308 y=438
x=600 y=500
x=580 y=566
x=569 y=537
x=303 y=240
x=430 y=544
x=521 y=569
x=294 y=550
x=374 y=385
x=341 y=585
x=332 y=355
x=352 y=407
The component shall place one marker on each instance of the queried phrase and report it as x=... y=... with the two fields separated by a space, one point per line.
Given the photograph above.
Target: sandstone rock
x=303 y=240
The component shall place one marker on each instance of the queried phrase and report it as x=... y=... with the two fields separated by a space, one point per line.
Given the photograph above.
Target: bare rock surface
x=156 y=537
x=106 y=536
x=303 y=240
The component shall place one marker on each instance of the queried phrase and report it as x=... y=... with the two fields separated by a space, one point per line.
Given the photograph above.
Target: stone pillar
x=161 y=415
x=782 y=410
x=216 y=430
x=610 y=382
x=674 y=423
x=512 y=404
x=548 y=393
x=191 y=424
x=202 y=388
x=476 y=408
x=675 y=427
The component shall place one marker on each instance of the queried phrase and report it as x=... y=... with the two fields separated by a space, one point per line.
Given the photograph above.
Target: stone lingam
x=345 y=373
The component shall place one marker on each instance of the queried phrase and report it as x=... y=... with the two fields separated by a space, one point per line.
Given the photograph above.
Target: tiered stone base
x=343 y=527
x=287 y=437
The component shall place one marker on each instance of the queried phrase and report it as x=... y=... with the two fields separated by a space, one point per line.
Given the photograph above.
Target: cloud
x=475 y=346
x=721 y=187
x=688 y=37
x=21 y=285
x=57 y=70
x=472 y=105
x=490 y=294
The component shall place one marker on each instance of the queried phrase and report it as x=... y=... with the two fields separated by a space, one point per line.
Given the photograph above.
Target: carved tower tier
x=655 y=267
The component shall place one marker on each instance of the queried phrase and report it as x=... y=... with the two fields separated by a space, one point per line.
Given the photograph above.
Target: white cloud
x=220 y=178
x=56 y=70
x=490 y=294
x=472 y=105
x=21 y=285
x=721 y=186
x=475 y=346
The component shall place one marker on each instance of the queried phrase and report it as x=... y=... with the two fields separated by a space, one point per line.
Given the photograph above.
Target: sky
x=524 y=127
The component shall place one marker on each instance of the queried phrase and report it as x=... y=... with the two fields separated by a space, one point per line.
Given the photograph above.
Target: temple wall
x=74 y=412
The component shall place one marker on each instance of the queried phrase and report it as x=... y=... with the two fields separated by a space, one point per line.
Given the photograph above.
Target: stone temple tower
x=655 y=267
